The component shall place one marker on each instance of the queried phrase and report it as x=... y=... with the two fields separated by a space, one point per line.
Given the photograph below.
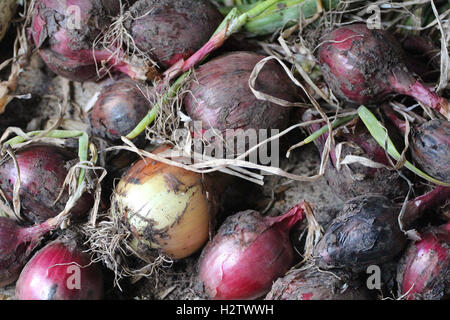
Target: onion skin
x=47 y=275
x=364 y=66
x=16 y=245
x=68 y=51
x=118 y=110
x=355 y=179
x=311 y=284
x=168 y=208
x=43 y=169
x=221 y=98
x=173 y=30
x=247 y=254
x=424 y=270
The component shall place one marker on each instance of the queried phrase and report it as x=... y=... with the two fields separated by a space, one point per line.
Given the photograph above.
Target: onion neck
x=396 y=121
x=287 y=220
x=417 y=207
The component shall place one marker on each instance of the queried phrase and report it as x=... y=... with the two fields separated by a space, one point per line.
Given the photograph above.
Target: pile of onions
x=172 y=30
x=60 y=271
x=364 y=66
x=68 y=49
x=424 y=270
x=222 y=100
x=16 y=246
x=118 y=110
x=429 y=143
x=312 y=284
x=247 y=254
x=366 y=231
x=43 y=169
x=355 y=179
x=167 y=208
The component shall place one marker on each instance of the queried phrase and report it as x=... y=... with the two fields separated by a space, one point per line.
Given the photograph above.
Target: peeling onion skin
x=168 y=209
x=424 y=269
x=118 y=110
x=221 y=98
x=431 y=148
x=43 y=169
x=364 y=66
x=52 y=271
x=246 y=255
x=172 y=30
x=364 y=233
x=312 y=284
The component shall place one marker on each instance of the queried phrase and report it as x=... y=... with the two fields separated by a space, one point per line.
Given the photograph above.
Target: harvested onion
x=166 y=207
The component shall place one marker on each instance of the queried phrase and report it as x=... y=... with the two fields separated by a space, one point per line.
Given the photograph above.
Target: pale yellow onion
x=7 y=11
x=166 y=207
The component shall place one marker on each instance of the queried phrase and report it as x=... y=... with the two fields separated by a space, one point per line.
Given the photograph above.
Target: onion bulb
x=167 y=209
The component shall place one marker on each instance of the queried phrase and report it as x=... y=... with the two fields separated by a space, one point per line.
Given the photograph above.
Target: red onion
x=60 y=271
x=312 y=284
x=356 y=179
x=67 y=50
x=172 y=30
x=221 y=98
x=248 y=253
x=43 y=169
x=430 y=145
x=366 y=231
x=118 y=110
x=364 y=66
x=16 y=245
x=424 y=270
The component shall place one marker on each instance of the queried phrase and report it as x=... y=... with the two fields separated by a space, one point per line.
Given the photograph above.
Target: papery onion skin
x=168 y=209
x=312 y=284
x=424 y=269
x=16 y=245
x=118 y=110
x=43 y=169
x=51 y=274
x=172 y=30
x=364 y=66
x=246 y=255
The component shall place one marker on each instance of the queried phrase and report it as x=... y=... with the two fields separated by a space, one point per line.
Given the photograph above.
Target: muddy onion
x=43 y=169
x=364 y=66
x=167 y=208
x=356 y=179
x=366 y=231
x=221 y=99
x=68 y=51
x=424 y=269
x=247 y=254
x=312 y=284
x=118 y=110
x=172 y=30
x=60 y=271
x=16 y=245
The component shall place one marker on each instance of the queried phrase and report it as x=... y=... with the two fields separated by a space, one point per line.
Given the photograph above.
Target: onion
x=222 y=100
x=364 y=66
x=69 y=51
x=172 y=30
x=430 y=145
x=247 y=254
x=356 y=179
x=43 y=169
x=312 y=284
x=60 y=271
x=424 y=270
x=7 y=11
x=16 y=245
x=366 y=231
x=118 y=110
x=167 y=208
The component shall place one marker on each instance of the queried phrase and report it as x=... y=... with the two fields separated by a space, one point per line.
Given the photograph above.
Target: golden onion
x=167 y=208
